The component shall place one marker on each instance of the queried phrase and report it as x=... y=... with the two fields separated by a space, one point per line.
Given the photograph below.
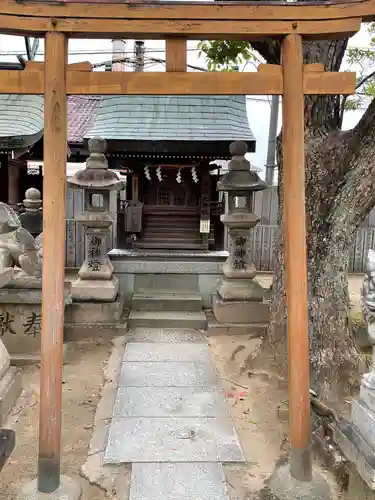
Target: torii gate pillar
x=297 y=476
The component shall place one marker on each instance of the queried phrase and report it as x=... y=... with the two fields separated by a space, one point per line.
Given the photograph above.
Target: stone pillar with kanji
x=95 y=278
x=239 y=297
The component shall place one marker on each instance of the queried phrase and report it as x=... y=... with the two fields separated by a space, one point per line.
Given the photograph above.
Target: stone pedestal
x=10 y=384
x=95 y=290
x=357 y=438
x=359 y=452
x=240 y=312
x=95 y=320
x=20 y=320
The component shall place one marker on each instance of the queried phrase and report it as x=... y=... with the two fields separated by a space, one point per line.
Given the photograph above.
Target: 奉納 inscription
x=6 y=321
x=32 y=324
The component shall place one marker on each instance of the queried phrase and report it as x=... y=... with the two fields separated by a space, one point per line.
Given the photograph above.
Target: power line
x=88 y=52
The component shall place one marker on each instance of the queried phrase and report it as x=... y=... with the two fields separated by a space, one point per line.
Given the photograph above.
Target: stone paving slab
x=167 y=352
x=167 y=374
x=181 y=481
x=165 y=335
x=172 y=440
x=170 y=402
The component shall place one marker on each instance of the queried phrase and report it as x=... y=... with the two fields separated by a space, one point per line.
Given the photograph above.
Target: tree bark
x=340 y=192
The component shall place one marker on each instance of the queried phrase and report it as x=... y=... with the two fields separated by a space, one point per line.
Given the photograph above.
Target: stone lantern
x=239 y=297
x=32 y=218
x=95 y=278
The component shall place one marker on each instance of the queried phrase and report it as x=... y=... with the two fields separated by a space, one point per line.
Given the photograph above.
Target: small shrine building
x=166 y=145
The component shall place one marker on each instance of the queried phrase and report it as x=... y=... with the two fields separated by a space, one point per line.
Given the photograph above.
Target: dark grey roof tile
x=192 y=118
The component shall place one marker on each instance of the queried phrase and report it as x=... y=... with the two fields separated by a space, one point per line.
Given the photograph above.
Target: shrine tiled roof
x=172 y=118
x=21 y=120
x=81 y=115
x=27 y=128
x=205 y=124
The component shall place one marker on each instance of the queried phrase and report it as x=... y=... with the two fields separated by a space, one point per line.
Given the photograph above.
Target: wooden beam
x=176 y=83
x=176 y=54
x=200 y=29
x=228 y=11
x=277 y=68
x=296 y=258
x=316 y=81
x=54 y=229
x=39 y=66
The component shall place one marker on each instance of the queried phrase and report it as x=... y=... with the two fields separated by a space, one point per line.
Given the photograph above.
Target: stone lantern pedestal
x=239 y=297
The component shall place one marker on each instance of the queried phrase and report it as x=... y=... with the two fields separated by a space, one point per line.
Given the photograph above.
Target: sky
x=99 y=51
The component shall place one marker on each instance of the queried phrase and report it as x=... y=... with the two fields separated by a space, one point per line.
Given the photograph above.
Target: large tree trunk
x=340 y=192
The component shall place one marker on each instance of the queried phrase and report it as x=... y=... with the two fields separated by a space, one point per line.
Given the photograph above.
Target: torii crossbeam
x=176 y=22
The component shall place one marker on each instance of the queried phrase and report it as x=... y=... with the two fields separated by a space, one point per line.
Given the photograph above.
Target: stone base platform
x=168 y=272
x=361 y=456
x=240 y=312
x=358 y=489
x=10 y=390
x=95 y=312
x=90 y=290
x=95 y=320
x=215 y=328
x=94 y=331
x=20 y=320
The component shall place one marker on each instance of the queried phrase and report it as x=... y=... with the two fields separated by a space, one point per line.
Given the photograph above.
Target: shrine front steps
x=167 y=319
x=167 y=309
x=156 y=301
x=167 y=245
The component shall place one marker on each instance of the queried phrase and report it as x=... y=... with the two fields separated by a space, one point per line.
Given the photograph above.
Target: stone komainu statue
x=368 y=308
x=20 y=253
x=368 y=288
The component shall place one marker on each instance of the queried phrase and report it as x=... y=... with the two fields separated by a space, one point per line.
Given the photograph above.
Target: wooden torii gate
x=60 y=20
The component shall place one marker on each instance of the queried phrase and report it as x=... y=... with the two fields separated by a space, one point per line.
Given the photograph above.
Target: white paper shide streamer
x=194 y=174
x=158 y=174
x=179 y=176
x=147 y=172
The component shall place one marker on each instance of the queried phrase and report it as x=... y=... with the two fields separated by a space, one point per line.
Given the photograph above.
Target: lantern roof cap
x=239 y=177
x=96 y=174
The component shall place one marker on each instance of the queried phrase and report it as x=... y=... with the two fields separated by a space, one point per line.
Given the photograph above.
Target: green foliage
x=362 y=60
x=227 y=56
x=235 y=56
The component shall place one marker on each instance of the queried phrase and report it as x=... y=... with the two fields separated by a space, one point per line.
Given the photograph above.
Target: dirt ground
x=257 y=403
x=83 y=379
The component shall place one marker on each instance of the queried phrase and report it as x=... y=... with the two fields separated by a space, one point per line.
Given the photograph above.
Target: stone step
x=167 y=245
x=203 y=481
x=167 y=319
x=169 y=231
x=173 y=238
x=154 y=301
x=142 y=439
x=165 y=335
x=166 y=283
x=174 y=223
x=178 y=229
x=160 y=238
